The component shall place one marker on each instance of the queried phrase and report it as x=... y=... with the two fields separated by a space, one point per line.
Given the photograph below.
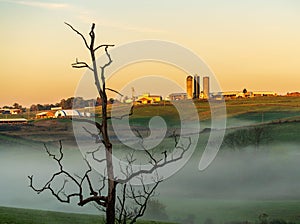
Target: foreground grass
x=230 y=211
x=30 y=216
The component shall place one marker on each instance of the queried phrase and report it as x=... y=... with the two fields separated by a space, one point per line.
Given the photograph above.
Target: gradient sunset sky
x=248 y=44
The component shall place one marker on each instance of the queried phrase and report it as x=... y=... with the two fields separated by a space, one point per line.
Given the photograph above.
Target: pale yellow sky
x=248 y=44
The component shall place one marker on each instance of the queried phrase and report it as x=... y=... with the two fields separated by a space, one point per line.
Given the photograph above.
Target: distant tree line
x=15 y=106
x=69 y=103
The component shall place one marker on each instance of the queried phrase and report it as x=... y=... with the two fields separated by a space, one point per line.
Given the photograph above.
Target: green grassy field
x=222 y=211
x=219 y=211
x=279 y=115
x=29 y=216
x=259 y=109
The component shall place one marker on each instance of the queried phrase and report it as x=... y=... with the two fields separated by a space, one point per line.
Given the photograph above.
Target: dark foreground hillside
x=29 y=216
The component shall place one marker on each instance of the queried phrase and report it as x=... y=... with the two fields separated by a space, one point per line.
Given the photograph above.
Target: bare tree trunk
x=111 y=196
x=111 y=201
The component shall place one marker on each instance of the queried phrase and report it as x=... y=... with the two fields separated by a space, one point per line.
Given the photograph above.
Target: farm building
x=238 y=94
x=148 y=99
x=10 y=111
x=86 y=114
x=67 y=113
x=263 y=93
x=15 y=111
x=178 y=96
x=228 y=95
x=13 y=121
x=56 y=108
x=71 y=113
x=5 y=111
x=233 y=94
x=45 y=114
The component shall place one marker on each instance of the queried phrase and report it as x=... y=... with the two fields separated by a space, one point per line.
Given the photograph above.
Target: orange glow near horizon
x=253 y=45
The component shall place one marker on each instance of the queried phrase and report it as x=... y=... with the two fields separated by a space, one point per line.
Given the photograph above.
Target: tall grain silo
x=206 y=87
x=196 y=86
x=189 y=87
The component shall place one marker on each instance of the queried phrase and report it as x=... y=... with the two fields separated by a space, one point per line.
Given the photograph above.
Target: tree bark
x=111 y=194
x=111 y=197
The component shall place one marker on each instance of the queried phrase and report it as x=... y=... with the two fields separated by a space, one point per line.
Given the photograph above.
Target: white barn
x=71 y=113
x=67 y=113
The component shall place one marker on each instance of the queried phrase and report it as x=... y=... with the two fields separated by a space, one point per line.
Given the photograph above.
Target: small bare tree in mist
x=117 y=197
x=241 y=138
x=156 y=209
x=260 y=135
x=237 y=139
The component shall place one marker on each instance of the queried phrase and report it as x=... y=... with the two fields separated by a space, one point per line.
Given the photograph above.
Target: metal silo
x=189 y=87
x=196 y=86
x=206 y=87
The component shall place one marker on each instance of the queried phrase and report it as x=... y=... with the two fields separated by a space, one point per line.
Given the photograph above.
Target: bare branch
x=81 y=64
x=159 y=163
x=92 y=35
x=115 y=91
x=104 y=66
x=95 y=136
x=139 y=197
x=122 y=204
x=80 y=34
x=94 y=157
x=95 y=196
x=133 y=201
x=63 y=187
x=103 y=184
x=98 y=125
x=104 y=45
x=142 y=145
x=124 y=115
x=100 y=200
x=143 y=205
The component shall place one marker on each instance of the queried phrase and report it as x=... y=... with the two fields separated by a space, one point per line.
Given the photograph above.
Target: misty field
x=256 y=170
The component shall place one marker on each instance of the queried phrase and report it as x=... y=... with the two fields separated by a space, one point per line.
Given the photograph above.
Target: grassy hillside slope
x=29 y=216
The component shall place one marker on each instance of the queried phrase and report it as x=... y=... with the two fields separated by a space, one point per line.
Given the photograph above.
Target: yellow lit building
x=148 y=99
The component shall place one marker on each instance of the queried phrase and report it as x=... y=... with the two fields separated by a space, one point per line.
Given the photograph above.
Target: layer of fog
x=271 y=173
x=17 y=163
x=263 y=175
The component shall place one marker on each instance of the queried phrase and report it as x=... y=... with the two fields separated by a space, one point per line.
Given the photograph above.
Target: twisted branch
x=95 y=196
x=81 y=64
x=156 y=164
x=80 y=34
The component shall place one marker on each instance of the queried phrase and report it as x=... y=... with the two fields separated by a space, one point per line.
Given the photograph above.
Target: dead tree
x=65 y=186
x=254 y=136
